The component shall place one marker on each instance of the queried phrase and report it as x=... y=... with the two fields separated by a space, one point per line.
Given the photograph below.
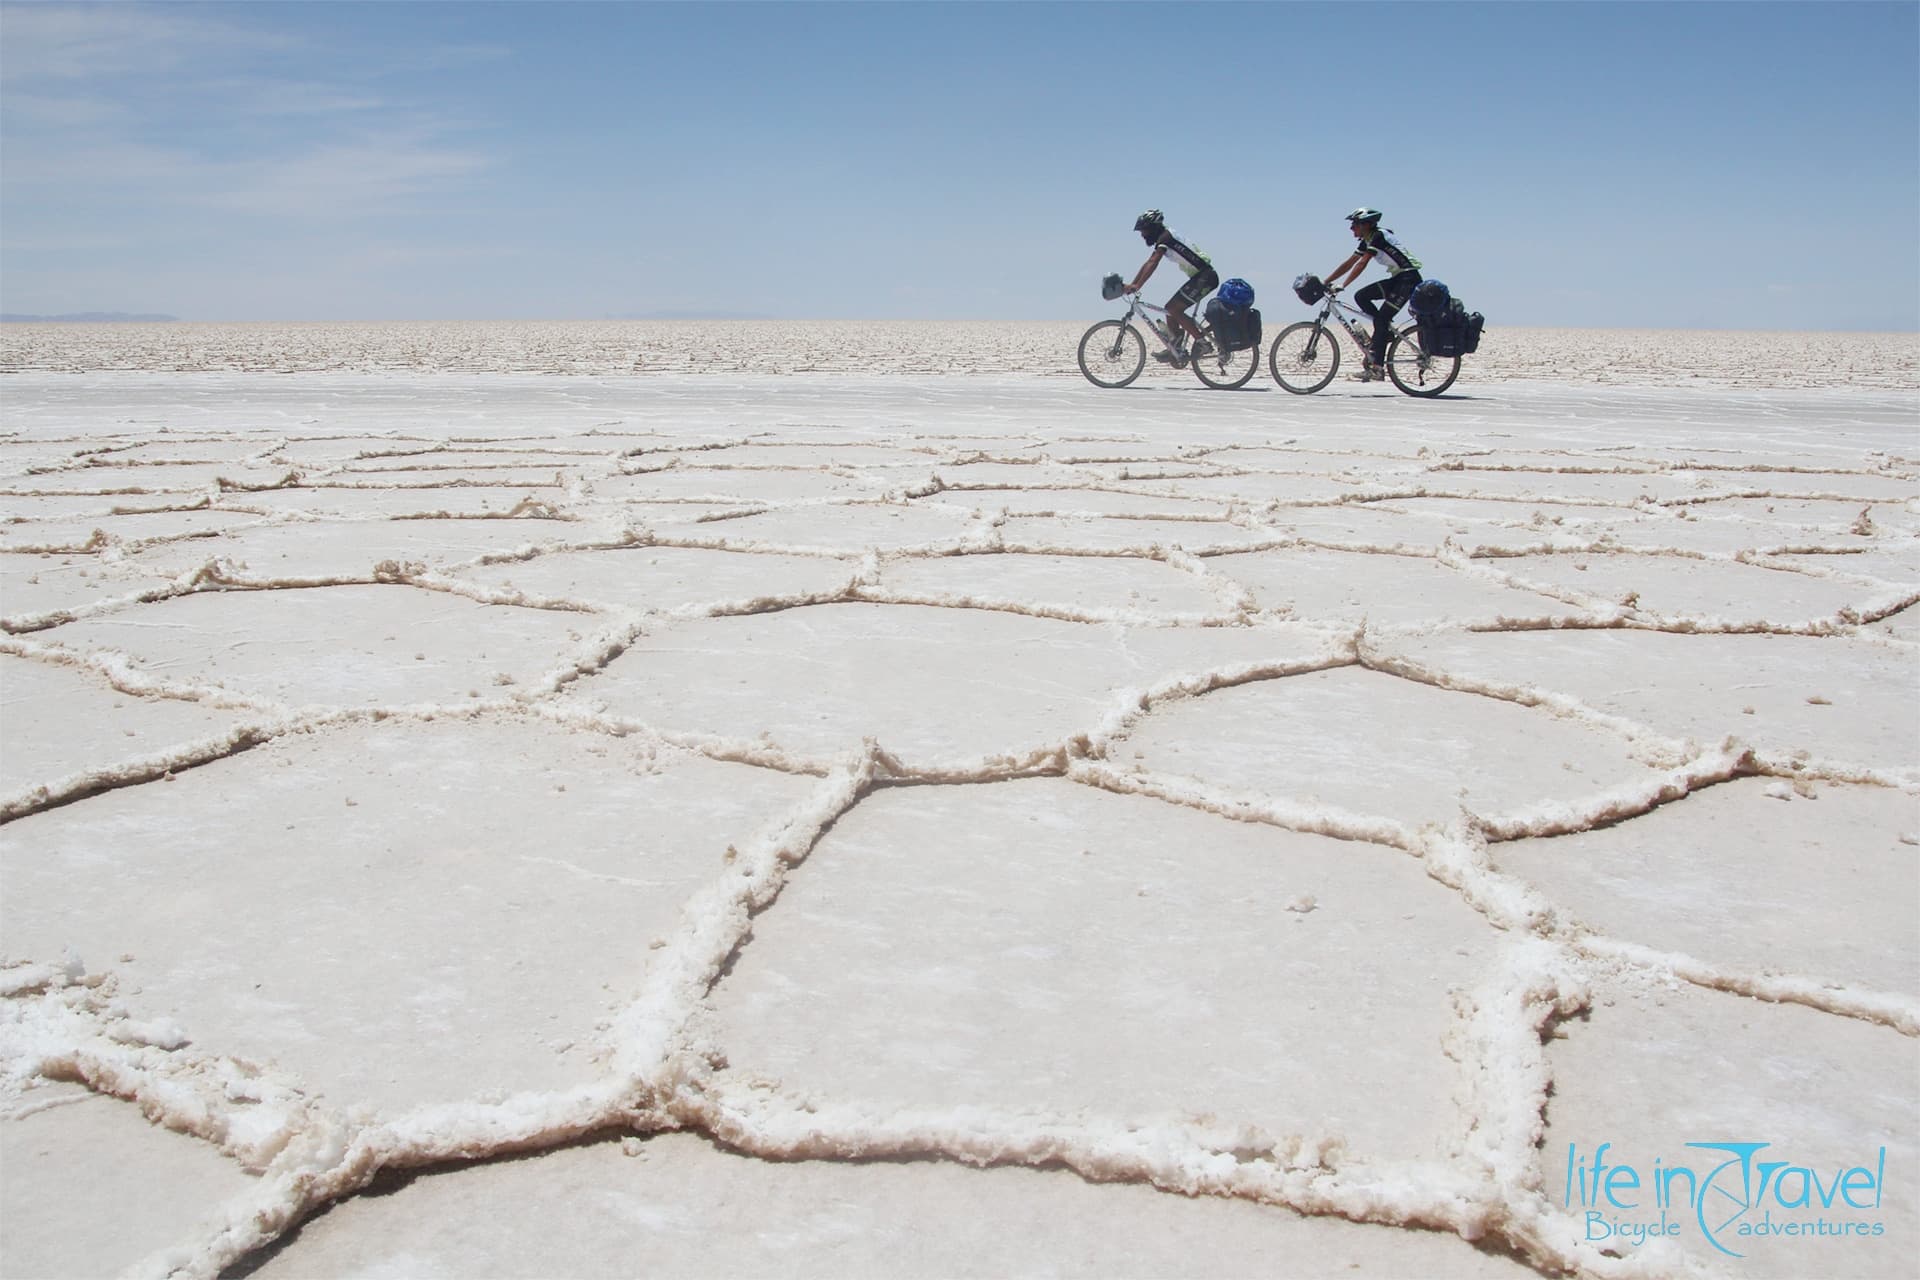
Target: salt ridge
x=62 y=1022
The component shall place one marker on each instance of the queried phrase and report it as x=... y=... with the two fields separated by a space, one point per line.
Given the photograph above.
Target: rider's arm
x=1140 y=277
x=1357 y=260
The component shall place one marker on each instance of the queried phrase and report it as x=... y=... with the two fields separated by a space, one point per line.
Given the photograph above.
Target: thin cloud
x=345 y=179
x=60 y=42
x=331 y=180
x=61 y=111
x=261 y=96
x=146 y=108
x=443 y=57
x=64 y=243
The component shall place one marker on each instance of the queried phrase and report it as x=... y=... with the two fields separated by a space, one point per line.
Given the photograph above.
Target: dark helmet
x=1364 y=214
x=1152 y=220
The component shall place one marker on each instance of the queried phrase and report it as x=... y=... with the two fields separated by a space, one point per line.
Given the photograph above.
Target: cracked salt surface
x=965 y=808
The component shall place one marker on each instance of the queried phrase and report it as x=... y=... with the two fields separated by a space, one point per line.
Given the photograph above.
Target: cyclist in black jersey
x=1201 y=280
x=1382 y=299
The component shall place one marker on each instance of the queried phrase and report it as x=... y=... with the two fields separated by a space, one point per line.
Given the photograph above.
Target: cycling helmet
x=1237 y=293
x=1364 y=214
x=1151 y=218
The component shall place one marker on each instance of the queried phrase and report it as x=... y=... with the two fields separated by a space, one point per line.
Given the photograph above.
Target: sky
x=1700 y=165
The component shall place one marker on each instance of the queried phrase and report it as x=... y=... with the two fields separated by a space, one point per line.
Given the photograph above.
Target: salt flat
x=832 y=800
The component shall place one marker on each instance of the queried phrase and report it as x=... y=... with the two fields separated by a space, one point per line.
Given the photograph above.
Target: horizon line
x=157 y=319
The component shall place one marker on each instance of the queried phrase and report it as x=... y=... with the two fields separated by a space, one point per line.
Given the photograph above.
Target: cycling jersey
x=1182 y=254
x=1389 y=252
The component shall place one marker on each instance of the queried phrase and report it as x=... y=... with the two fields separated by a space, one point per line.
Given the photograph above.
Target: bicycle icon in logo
x=1721 y=1198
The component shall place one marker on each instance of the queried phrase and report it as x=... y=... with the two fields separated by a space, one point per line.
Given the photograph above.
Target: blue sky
x=1667 y=165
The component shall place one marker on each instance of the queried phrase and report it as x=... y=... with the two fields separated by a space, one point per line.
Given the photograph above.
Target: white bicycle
x=1112 y=353
x=1306 y=355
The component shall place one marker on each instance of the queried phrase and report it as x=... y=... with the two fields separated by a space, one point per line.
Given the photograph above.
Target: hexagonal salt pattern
x=64 y=721
x=1041 y=944
x=1380 y=590
x=37 y=590
x=393 y=913
x=927 y=683
x=663 y=579
x=676 y=1205
x=1710 y=877
x=352 y=548
x=339 y=646
x=1371 y=744
x=1686 y=587
x=1089 y=585
x=1835 y=699
x=856 y=824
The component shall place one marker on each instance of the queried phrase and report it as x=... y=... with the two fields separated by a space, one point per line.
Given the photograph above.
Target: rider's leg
x=1382 y=327
x=1368 y=300
x=1189 y=294
x=1179 y=328
x=1178 y=317
x=1184 y=330
x=1394 y=292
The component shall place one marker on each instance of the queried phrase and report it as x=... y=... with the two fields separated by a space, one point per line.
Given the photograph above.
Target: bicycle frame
x=1143 y=311
x=1345 y=313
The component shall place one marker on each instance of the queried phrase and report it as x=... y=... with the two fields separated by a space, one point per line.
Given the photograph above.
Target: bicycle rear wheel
x=1225 y=370
x=1112 y=353
x=1417 y=373
x=1304 y=357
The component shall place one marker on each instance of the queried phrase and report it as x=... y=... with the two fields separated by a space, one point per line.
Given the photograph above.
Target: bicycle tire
x=1227 y=371
x=1119 y=355
x=1304 y=358
x=1414 y=371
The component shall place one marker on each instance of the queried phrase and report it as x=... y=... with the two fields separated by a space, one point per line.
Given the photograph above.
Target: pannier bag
x=1447 y=328
x=1234 y=328
x=1309 y=288
x=1430 y=298
x=1112 y=287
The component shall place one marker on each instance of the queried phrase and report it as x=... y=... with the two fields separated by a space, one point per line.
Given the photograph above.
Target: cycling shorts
x=1198 y=287
x=1393 y=292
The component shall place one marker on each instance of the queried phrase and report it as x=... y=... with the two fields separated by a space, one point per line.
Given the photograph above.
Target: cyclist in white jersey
x=1382 y=299
x=1201 y=280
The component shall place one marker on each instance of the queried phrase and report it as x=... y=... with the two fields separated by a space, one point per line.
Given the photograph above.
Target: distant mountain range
x=85 y=317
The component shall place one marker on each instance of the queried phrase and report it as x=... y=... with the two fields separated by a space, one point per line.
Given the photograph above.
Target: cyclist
x=1201 y=280
x=1382 y=299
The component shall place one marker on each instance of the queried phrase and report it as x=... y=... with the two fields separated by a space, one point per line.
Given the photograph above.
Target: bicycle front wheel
x=1417 y=373
x=1304 y=357
x=1112 y=354
x=1225 y=370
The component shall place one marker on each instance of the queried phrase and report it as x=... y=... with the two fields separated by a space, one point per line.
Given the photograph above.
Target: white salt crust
x=1119 y=500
